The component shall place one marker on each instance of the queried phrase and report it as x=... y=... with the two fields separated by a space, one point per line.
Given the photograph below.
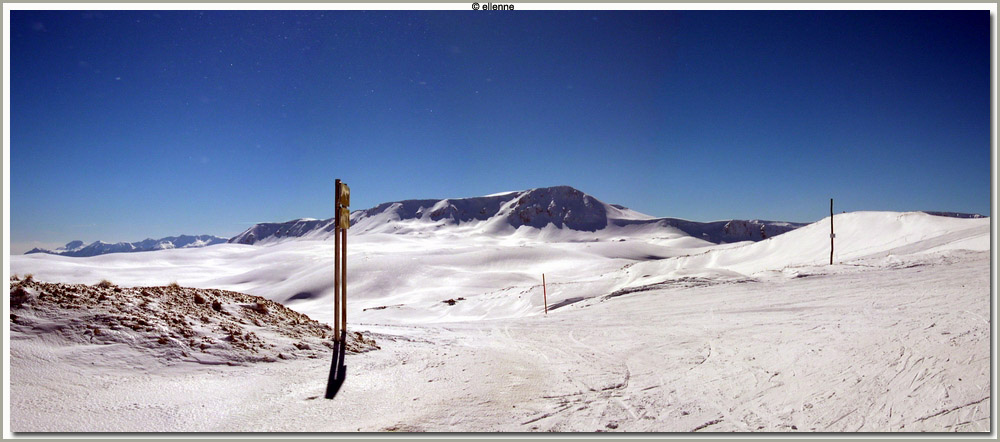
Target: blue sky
x=127 y=125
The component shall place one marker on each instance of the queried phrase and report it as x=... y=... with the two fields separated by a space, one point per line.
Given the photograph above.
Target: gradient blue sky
x=127 y=125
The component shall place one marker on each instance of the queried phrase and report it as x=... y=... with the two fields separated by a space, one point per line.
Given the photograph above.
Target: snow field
x=856 y=349
x=412 y=275
x=653 y=333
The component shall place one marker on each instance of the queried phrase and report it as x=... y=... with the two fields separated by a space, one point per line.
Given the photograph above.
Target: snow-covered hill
x=78 y=249
x=654 y=334
x=561 y=213
x=861 y=237
x=407 y=277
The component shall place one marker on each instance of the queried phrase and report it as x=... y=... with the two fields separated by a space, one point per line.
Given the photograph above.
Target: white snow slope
x=645 y=332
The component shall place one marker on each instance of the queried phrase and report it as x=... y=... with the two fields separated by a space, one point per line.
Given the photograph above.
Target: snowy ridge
x=954 y=214
x=264 y=233
x=408 y=277
x=532 y=212
x=861 y=236
x=78 y=249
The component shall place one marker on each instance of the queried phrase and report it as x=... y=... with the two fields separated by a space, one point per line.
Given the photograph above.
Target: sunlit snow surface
x=648 y=330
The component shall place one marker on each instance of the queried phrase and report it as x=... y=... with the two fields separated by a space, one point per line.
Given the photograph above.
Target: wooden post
x=338 y=369
x=831 y=231
x=545 y=296
x=336 y=263
x=343 y=279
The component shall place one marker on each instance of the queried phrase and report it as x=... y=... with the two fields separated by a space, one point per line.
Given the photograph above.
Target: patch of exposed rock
x=173 y=323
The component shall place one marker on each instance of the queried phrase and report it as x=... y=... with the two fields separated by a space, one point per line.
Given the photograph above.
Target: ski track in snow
x=895 y=338
x=895 y=356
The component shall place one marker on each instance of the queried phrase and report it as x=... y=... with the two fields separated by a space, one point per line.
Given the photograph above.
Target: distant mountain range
x=955 y=214
x=564 y=208
x=78 y=249
x=561 y=213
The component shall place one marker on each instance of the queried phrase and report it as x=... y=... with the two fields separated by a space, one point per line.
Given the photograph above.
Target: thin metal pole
x=831 y=231
x=336 y=264
x=545 y=295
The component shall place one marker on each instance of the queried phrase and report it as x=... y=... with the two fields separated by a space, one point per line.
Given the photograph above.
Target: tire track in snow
x=596 y=398
x=955 y=408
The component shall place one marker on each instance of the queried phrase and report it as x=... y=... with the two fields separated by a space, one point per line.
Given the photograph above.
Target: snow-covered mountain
x=898 y=319
x=78 y=249
x=270 y=232
x=562 y=208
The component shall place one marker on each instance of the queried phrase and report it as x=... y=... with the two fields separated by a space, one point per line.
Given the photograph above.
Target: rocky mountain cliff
x=560 y=207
